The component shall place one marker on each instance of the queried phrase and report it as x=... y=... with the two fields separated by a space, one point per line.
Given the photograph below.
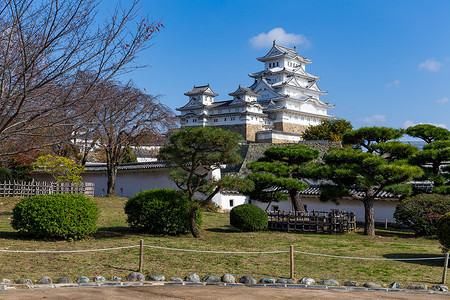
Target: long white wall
x=383 y=209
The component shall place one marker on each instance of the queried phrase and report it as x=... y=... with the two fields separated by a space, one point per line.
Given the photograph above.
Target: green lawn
x=219 y=236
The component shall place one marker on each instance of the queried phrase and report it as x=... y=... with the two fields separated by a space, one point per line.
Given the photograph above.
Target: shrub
x=249 y=217
x=56 y=216
x=160 y=211
x=443 y=231
x=421 y=212
x=18 y=173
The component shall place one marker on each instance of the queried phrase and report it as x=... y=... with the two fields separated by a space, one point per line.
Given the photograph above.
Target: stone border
x=161 y=283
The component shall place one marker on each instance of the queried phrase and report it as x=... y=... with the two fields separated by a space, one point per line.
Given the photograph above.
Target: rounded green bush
x=160 y=211
x=443 y=231
x=249 y=217
x=421 y=212
x=60 y=216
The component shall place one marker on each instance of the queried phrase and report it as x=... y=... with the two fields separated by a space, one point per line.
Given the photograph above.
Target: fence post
x=141 y=255
x=385 y=224
x=292 y=261
x=444 y=276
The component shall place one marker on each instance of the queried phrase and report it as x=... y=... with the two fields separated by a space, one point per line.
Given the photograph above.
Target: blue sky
x=384 y=63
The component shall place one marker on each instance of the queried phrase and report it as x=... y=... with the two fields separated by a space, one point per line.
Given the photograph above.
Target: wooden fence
x=313 y=221
x=25 y=189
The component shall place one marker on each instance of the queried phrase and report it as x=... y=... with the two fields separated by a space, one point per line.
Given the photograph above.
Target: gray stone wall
x=289 y=127
x=256 y=150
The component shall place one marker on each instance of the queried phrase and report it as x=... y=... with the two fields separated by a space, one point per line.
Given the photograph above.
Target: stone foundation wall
x=240 y=128
x=251 y=132
x=289 y=127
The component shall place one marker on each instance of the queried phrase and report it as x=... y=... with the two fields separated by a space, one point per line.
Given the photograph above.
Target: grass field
x=219 y=236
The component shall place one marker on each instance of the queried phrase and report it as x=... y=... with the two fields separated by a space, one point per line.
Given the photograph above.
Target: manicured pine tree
x=381 y=167
x=278 y=170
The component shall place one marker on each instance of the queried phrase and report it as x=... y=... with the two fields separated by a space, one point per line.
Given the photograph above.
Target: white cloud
x=395 y=83
x=264 y=40
x=410 y=123
x=374 y=119
x=431 y=65
x=442 y=101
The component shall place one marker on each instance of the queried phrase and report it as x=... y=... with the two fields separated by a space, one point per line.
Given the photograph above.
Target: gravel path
x=205 y=292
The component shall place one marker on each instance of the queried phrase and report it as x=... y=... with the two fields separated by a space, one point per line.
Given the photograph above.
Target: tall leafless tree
x=47 y=48
x=121 y=117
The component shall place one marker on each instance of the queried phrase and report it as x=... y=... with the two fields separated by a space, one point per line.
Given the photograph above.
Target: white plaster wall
x=130 y=183
x=223 y=200
x=278 y=136
x=307 y=107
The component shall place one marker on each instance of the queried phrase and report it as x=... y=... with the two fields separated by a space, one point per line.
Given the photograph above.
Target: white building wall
x=227 y=201
x=130 y=183
x=383 y=209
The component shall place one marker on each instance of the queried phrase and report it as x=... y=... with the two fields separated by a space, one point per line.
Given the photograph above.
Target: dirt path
x=204 y=292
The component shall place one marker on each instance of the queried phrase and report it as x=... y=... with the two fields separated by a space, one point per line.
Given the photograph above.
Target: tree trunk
x=369 y=221
x=297 y=201
x=193 y=224
x=112 y=174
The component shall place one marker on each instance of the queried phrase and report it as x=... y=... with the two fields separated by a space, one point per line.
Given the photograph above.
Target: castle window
x=194 y=120
x=216 y=120
x=232 y=118
x=231 y=202
x=277 y=64
x=224 y=119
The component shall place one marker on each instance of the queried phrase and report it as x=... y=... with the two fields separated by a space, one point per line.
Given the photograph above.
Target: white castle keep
x=276 y=108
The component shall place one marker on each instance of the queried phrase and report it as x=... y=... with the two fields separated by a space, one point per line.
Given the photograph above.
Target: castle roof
x=277 y=70
x=201 y=90
x=278 y=51
x=244 y=91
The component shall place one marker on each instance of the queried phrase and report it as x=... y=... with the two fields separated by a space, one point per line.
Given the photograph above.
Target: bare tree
x=122 y=116
x=52 y=54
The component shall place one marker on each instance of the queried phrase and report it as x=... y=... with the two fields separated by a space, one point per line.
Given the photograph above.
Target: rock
x=24 y=281
x=44 y=280
x=395 y=285
x=192 y=278
x=6 y=281
x=228 y=278
x=267 y=281
x=330 y=282
x=285 y=281
x=177 y=279
x=99 y=279
x=64 y=279
x=247 y=280
x=307 y=281
x=83 y=279
x=372 y=285
x=136 y=276
x=440 y=288
x=155 y=277
x=351 y=283
x=115 y=278
x=211 y=279
x=417 y=287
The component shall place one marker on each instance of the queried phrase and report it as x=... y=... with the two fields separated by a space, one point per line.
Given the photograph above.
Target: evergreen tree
x=278 y=170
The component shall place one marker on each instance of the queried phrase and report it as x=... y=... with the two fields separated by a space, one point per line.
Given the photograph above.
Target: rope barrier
x=65 y=251
x=217 y=252
x=370 y=258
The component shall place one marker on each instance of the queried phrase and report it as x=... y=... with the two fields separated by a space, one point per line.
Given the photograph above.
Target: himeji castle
x=282 y=102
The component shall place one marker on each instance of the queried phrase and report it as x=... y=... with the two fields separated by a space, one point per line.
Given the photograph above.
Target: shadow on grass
x=119 y=268
x=224 y=229
x=13 y=235
x=428 y=262
x=6 y=213
x=115 y=231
